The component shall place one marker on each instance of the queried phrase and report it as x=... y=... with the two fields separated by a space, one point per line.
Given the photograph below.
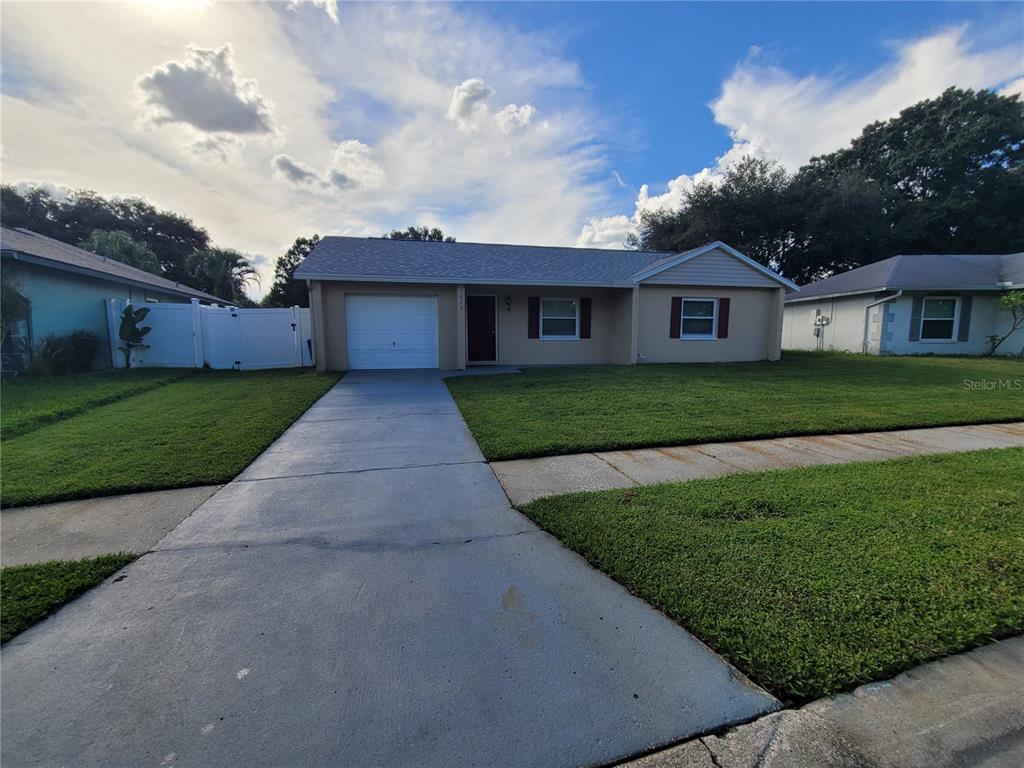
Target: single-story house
x=908 y=305
x=380 y=303
x=68 y=287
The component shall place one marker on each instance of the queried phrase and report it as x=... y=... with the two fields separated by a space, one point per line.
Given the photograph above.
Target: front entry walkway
x=362 y=595
x=528 y=479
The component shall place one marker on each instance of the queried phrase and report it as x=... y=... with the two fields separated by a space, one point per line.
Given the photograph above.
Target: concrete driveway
x=362 y=595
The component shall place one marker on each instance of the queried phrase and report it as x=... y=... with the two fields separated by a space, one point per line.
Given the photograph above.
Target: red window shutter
x=533 y=311
x=676 y=319
x=584 y=318
x=723 y=318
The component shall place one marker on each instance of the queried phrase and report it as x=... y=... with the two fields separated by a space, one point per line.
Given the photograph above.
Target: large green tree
x=420 y=233
x=951 y=169
x=945 y=176
x=223 y=272
x=286 y=290
x=120 y=246
x=170 y=236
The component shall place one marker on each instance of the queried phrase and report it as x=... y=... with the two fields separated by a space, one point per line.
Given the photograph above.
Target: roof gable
x=715 y=267
x=712 y=264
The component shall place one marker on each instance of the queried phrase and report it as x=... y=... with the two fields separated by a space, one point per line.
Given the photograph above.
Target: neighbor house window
x=938 y=318
x=559 y=319
x=698 y=319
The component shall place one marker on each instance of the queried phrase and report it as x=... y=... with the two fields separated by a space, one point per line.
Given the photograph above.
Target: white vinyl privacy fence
x=193 y=335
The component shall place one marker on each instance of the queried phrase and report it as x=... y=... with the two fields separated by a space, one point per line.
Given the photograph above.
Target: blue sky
x=547 y=123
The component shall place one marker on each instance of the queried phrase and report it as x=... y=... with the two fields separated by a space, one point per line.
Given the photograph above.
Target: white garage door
x=391 y=331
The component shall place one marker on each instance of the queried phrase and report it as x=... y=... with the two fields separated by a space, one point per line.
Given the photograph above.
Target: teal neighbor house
x=68 y=288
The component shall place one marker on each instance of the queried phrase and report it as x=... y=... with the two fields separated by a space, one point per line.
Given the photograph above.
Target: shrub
x=72 y=352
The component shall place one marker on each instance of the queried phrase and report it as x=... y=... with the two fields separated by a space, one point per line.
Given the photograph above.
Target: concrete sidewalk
x=528 y=479
x=72 y=530
x=965 y=710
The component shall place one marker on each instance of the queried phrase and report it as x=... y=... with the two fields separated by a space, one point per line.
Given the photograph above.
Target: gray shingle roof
x=62 y=254
x=925 y=272
x=363 y=258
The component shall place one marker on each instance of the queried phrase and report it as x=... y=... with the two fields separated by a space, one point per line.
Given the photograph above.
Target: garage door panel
x=392 y=331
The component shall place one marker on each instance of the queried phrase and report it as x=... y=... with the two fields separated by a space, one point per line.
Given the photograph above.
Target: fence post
x=296 y=336
x=198 y=350
x=113 y=307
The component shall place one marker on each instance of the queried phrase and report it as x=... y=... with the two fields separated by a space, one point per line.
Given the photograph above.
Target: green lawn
x=546 y=411
x=200 y=430
x=30 y=593
x=813 y=581
x=32 y=401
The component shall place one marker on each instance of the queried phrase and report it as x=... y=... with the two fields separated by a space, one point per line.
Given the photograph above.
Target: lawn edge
x=122 y=490
x=788 y=701
x=740 y=437
x=135 y=556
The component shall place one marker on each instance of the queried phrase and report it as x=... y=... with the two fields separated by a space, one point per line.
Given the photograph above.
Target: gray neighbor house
x=909 y=305
x=380 y=303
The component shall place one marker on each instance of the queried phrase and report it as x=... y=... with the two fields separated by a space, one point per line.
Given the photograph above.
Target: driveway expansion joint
x=339 y=546
x=355 y=471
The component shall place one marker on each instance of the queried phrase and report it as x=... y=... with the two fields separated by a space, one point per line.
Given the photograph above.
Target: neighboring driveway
x=363 y=594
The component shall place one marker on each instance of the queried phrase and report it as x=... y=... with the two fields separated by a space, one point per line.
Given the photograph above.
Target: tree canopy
x=119 y=245
x=170 y=236
x=420 y=233
x=286 y=291
x=945 y=176
x=223 y=272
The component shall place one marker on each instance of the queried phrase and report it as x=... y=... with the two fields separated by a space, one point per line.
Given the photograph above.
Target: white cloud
x=330 y=7
x=1014 y=88
x=467 y=108
x=774 y=115
x=205 y=92
x=353 y=167
x=771 y=113
x=607 y=232
x=512 y=117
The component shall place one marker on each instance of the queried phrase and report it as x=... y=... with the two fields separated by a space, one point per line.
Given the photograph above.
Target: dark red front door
x=481 y=330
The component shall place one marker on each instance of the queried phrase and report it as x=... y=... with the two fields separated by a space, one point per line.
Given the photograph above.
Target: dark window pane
x=698 y=308
x=937 y=329
x=698 y=327
x=558 y=327
x=940 y=309
x=559 y=308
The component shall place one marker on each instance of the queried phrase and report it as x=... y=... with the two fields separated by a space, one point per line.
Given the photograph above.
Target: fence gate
x=193 y=335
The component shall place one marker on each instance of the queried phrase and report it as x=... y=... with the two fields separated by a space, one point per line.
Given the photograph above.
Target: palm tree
x=223 y=272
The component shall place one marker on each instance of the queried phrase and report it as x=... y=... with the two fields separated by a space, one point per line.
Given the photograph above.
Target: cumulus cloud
x=512 y=117
x=607 y=232
x=205 y=92
x=467 y=108
x=330 y=7
x=469 y=111
x=295 y=171
x=774 y=115
x=352 y=166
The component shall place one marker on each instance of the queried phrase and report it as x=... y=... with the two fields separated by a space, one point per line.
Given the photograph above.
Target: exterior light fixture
x=508 y=303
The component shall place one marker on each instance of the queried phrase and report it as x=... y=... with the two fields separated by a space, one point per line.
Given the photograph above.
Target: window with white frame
x=559 y=319
x=698 y=318
x=939 y=318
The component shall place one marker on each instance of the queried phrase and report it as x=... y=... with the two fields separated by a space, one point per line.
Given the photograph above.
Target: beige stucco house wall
x=629 y=323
